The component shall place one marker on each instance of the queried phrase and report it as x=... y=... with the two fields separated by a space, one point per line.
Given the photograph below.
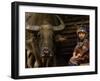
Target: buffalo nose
x=46 y=50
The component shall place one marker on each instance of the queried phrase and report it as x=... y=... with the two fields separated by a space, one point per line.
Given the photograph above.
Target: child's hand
x=78 y=55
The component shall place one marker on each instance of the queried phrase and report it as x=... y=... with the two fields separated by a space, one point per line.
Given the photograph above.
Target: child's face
x=81 y=35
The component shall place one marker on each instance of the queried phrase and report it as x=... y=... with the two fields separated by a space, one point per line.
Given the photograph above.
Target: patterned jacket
x=82 y=48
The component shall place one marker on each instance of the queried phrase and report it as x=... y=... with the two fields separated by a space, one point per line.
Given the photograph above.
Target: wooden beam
x=77 y=23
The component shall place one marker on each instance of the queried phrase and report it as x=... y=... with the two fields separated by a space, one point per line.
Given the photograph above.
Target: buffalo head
x=45 y=36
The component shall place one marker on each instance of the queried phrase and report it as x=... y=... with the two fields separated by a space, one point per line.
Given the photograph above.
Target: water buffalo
x=44 y=51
